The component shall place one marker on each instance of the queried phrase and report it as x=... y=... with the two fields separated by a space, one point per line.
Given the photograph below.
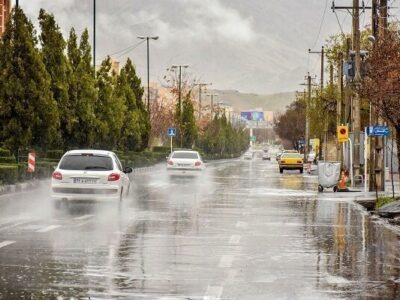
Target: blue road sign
x=171 y=132
x=378 y=130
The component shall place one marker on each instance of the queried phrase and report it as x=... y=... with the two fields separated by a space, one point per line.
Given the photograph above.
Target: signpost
x=171 y=132
x=372 y=131
x=377 y=130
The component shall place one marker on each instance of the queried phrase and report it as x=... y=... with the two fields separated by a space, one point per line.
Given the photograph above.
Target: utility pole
x=357 y=81
x=307 y=138
x=16 y=3
x=201 y=85
x=147 y=38
x=339 y=104
x=322 y=52
x=355 y=107
x=212 y=95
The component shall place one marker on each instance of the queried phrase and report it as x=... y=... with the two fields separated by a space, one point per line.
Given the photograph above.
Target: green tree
x=82 y=92
x=52 y=49
x=28 y=112
x=141 y=114
x=186 y=122
x=131 y=137
x=110 y=107
x=291 y=125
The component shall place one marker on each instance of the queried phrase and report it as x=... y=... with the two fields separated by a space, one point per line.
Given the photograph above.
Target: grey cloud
x=253 y=45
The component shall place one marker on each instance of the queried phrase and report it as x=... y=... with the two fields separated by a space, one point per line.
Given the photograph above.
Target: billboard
x=252 y=115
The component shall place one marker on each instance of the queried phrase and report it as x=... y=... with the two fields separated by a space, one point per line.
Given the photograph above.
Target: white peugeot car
x=90 y=175
x=185 y=162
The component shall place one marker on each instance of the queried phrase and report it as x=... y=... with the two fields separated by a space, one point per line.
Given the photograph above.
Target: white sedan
x=185 y=162
x=90 y=175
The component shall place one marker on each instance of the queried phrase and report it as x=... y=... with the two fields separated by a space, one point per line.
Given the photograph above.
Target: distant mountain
x=244 y=101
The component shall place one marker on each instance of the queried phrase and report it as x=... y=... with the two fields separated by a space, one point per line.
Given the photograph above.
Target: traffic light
x=342 y=134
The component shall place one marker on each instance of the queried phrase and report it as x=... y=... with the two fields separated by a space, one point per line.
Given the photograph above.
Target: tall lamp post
x=147 y=38
x=180 y=86
x=94 y=38
x=16 y=3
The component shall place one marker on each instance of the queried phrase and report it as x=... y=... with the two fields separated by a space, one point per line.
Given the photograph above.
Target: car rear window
x=185 y=155
x=86 y=162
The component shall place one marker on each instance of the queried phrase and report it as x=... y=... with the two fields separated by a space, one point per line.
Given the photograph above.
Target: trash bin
x=328 y=174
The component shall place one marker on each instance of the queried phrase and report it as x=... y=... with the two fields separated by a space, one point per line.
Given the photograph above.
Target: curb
x=19 y=187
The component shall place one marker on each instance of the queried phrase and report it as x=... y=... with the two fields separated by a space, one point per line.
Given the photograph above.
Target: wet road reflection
x=239 y=231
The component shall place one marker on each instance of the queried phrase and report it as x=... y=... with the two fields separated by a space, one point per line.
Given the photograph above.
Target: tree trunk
x=398 y=149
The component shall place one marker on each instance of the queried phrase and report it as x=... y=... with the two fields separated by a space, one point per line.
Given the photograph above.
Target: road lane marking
x=84 y=217
x=235 y=239
x=241 y=224
x=226 y=261
x=213 y=293
x=6 y=243
x=48 y=228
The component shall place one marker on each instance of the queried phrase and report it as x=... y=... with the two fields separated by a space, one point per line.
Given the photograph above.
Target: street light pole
x=16 y=3
x=94 y=37
x=147 y=38
x=180 y=87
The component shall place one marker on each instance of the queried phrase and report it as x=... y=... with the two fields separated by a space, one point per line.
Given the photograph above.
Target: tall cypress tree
x=144 y=121
x=82 y=92
x=187 y=121
x=110 y=108
x=28 y=114
x=53 y=46
x=131 y=137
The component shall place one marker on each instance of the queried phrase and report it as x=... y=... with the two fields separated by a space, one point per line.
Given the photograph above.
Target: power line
x=321 y=24
x=123 y=51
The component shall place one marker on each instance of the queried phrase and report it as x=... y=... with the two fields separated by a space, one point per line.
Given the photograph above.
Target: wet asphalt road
x=240 y=231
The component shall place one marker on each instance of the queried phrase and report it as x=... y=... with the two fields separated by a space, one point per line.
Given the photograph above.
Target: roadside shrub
x=54 y=154
x=384 y=200
x=7 y=160
x=5 y=152
x=162 y=149
x=8 y=173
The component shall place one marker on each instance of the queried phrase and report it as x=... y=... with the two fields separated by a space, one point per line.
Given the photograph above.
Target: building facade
x=5 y=8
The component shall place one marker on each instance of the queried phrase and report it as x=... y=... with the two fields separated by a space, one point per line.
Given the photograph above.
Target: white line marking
x=84 y=217
x=241 y=224
x=48 y=228
x=213 y=293
x=226 y=261
x=235 y=239
x=6 y=243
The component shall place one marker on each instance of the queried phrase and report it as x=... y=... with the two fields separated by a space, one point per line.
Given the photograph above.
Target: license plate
x=183 y=165
x=85 y=180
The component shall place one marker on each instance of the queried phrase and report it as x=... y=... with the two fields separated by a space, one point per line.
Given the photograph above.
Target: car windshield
x=185 y=155
x=86 y=162
x=291 y=155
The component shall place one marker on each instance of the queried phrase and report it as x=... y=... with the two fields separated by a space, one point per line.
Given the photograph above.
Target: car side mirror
x=128 y=170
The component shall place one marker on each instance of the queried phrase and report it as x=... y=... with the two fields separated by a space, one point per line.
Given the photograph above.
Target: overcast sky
x=257 y=46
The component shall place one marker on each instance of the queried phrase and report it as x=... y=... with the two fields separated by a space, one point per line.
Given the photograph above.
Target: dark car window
x=185 y=155
x=86 y=162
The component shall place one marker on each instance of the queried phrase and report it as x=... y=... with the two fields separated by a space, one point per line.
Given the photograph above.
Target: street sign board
x=171 y=132
x=377 y=130
x=253 y=138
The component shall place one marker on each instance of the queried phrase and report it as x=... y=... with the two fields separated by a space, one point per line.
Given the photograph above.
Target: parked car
x=185 y=162
x=291 y=161
x=90 y=175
